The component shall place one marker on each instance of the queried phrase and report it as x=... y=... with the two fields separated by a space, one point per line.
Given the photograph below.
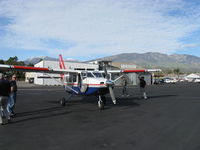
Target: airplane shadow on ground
x=39 y=111
x=161 y=96
x=39 y=114
x=121 y=101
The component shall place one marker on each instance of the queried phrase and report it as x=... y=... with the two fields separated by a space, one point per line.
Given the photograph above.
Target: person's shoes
x=9 y=120
x=12 y=114
x=3 y=124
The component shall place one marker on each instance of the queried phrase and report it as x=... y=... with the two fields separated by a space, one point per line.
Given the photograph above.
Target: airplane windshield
x=98 y=75
x=90 y=75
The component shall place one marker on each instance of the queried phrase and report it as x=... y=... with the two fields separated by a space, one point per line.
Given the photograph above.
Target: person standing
x=5 y=89
x=124 y=84
x=143 y=87
x=13 y=96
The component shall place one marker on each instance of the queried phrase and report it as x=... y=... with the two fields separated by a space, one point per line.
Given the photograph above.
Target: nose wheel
x=101 y=102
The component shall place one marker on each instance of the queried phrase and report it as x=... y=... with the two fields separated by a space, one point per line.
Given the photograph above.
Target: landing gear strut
x=101 y=102
x=63 y=100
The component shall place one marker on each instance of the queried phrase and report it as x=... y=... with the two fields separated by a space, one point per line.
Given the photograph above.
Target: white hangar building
x=46 y=79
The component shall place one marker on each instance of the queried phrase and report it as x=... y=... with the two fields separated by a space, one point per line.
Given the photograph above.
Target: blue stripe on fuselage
x=89 y=91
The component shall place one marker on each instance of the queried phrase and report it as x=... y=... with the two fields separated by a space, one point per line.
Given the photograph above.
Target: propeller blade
x=112 y=95
x=106 y=73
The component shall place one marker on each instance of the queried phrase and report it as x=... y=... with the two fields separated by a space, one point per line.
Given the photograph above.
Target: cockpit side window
x=84 y=75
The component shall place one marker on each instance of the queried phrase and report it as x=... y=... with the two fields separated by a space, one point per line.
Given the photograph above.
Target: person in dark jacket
x=5 y=89
x=124 y=84
x=13 y=96
x=143 y=87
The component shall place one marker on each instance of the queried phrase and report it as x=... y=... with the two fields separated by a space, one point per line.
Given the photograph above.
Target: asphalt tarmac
x=168 y=120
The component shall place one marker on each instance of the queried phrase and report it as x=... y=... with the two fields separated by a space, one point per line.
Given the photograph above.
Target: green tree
x=14 y=61
x=177 y=71
x=2 y=61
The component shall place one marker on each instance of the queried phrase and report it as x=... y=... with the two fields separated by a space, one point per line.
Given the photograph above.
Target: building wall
x=29 y=75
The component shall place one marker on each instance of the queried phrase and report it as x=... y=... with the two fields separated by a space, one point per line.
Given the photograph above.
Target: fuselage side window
x=71 y=78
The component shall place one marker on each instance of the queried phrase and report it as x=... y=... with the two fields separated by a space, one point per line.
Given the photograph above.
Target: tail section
x=62 y=66
x=61 y=62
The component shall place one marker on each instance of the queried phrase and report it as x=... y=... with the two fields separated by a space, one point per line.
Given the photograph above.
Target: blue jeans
x=11 y=102
x=3 y=110
x=124 y=91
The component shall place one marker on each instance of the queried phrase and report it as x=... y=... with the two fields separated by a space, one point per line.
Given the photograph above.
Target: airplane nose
x=109 y=82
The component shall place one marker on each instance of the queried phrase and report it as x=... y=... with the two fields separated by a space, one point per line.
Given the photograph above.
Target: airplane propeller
x=110 y=86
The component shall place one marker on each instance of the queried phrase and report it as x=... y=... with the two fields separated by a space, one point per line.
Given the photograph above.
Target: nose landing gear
x=101 y=102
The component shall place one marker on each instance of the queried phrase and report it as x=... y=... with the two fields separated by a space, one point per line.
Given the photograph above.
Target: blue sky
x=88 y=29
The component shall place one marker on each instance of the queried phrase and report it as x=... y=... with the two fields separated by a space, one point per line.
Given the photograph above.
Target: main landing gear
x=63 y=100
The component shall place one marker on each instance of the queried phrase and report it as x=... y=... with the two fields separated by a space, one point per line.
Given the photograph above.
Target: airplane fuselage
x=89 y=86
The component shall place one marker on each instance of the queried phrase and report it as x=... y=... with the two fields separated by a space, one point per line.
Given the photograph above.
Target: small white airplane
x=79 y=82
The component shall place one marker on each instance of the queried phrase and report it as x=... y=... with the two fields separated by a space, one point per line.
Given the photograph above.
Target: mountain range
x=186 y=63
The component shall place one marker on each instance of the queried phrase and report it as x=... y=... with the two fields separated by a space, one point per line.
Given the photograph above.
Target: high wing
x=124 y=71
x=134 y=70
x=36 y=69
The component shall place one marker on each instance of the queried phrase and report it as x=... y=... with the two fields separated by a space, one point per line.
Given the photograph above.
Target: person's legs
x=144 y=94
x=141 y=93
x=15 y=97
x=1 y=110
x=3 y=106
x=123 y=90
x=11 y=103
x=126 y=91
x=5 y=112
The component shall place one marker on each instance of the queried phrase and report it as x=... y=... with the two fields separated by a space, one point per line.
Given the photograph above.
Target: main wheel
x=62 y=101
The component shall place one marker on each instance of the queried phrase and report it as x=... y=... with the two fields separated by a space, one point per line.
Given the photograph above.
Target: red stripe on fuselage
x=77 y=84
x=134 y=71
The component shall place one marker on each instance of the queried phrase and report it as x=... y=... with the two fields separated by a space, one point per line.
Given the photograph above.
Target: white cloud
x=97 y=27
x=189 y=45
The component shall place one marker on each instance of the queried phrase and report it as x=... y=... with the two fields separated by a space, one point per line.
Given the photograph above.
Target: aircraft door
x=82 y=82
x=71 y=78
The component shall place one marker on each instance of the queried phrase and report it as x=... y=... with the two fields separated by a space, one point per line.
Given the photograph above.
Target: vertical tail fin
x=62 y=66
x=61 y=62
